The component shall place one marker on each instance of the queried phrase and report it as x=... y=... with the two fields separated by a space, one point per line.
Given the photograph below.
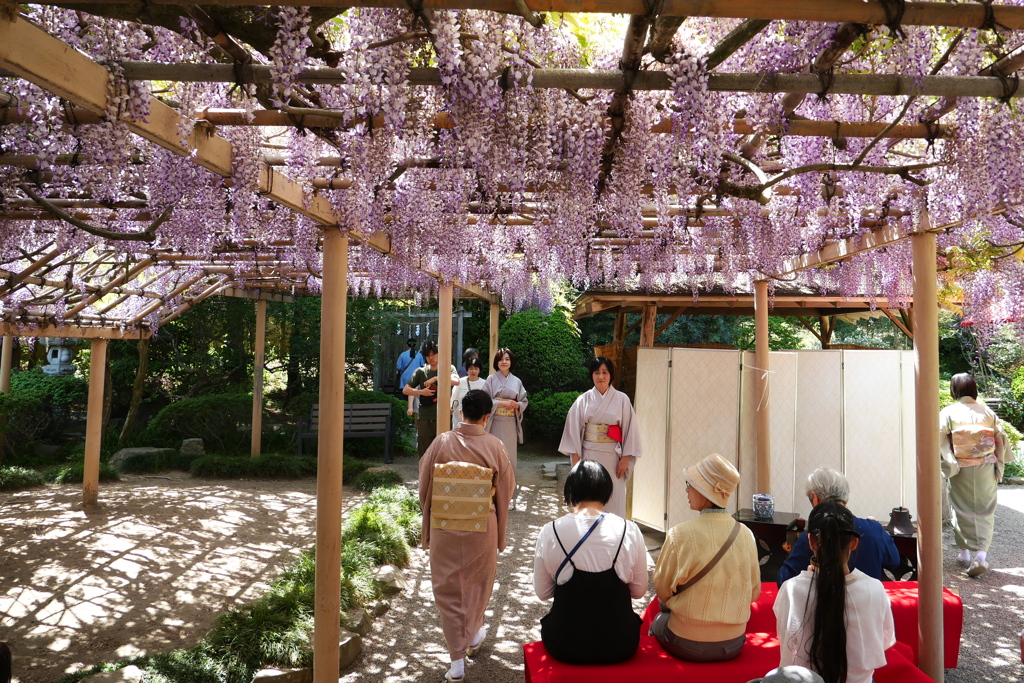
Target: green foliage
x=142 y=463
x=352 y=468
x=1017 y=385
x=266 y=466
x=16 y=478
x=1013 y=435
x=218 y=419
x=70 y=391
x=275 y=630
x=546 y=416
x=38 y=405
x=74 y=473
x=398 y=405
x=783 y=333
x=548 y=350
x=945 y=398
x=375 y=477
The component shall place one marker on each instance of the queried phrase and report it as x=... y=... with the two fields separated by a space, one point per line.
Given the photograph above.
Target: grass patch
x=267 y=466
x=377 y=477
x=74 y=473
x=275 y=630
x=17 y=478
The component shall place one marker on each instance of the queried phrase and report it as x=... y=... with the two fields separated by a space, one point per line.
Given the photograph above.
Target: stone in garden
x=192 y=447
x=359 y=621
x=1013 y=480
x=349 y=645
x=379 y=608
x=284 y=676
x=45 y=449
x=129 y=674
x=391 y=579
x=118 y=459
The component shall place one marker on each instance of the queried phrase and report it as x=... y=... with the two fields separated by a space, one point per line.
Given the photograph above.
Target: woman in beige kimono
x=509 y=398
x=466 y=483
x=974 y=453
x=600 y=426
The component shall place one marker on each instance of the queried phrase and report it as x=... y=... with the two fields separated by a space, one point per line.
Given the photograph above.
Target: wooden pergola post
x=94 y=424
x=761 y=363
x=826 y=324
x=493 y=338
x=327 y=598
x=444 y=358
x=5 y=364
x=619 y=329
x=650 y=315
x=257 y=377
x=926 y=399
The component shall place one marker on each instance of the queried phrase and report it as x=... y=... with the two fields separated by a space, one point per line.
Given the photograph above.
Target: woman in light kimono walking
x=600 y=427
x=509 y=398
x=974 y=453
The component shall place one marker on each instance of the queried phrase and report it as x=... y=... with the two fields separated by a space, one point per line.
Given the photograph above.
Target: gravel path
x=152 y=568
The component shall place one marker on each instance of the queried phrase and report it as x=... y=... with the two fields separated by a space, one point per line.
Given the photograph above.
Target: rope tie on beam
x=894 y=11
x=827 y=78
x=989 y=23
x=1010 y=83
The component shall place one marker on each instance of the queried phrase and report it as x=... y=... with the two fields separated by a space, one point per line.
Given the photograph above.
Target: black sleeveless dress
x=592 y=619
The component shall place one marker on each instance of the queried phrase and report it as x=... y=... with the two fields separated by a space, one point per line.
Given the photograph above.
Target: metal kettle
x=900 y=523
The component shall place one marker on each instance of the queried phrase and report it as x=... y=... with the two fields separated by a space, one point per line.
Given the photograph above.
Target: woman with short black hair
x=509 y=396
x=834 y=621
x=599 y=427
x=592 y=563
x=974 y=452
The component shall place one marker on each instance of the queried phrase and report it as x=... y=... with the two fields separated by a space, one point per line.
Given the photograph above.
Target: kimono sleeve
x=631 y=444
x=572 y=432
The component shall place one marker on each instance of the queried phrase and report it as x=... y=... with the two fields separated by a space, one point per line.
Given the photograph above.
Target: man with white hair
x=876 y=549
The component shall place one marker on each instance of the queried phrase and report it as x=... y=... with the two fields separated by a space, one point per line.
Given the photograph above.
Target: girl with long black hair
x=835 y=622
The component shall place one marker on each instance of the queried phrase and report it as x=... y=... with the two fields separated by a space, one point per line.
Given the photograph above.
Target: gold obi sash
x=597 y=433
x=505 y=412
x=462 y=496
x=972 y=443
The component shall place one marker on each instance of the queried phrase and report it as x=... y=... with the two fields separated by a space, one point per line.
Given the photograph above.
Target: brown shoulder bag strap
x=714 y=560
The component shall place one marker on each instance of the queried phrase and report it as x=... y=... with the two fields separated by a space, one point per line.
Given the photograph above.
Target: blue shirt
x=875 y=550
x=407 y=366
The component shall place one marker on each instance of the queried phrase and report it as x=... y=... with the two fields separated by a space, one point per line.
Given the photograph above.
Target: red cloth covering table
x=651 y=664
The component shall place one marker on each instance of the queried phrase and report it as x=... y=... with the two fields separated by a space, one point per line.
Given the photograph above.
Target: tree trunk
x=140 y=382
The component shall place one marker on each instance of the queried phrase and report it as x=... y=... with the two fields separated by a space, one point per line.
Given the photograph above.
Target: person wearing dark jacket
x=876 y=549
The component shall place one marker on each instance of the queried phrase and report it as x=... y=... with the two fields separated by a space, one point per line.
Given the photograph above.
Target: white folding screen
x=653 y=406
x=849 y=410
x=704 y=417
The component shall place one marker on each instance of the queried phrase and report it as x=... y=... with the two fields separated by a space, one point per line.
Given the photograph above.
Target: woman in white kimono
x=509 y=398
x=599 y=427
x=473 y=381
x=974 y=453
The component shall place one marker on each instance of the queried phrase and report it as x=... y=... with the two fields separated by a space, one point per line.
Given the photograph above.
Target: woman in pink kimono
x=465 y=485
x=509 y=398
x=600 y=427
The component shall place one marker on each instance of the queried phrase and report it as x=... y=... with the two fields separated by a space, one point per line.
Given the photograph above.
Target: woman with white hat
x=707 y=574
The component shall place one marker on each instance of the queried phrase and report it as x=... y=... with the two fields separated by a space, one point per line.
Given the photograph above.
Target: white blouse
x=595 y=555
x=465 y=386
x=869 y=625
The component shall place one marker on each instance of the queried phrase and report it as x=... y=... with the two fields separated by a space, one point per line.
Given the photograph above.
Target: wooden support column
x=926 y=399
x=493 y=338
x=94 y=424
x=619 y=329
x=5 y=364
x=650 y=315
x=327 y=598
x=761 y=362
x=826 y=324
x=257 y=377
x=444 y=358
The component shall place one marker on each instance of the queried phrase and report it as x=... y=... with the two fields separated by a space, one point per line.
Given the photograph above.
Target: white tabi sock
x=965 y=555
x=980 y=557
x=480 y=635
x=458 y=669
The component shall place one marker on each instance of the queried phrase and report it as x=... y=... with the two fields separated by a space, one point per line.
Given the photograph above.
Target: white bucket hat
x=715 y=477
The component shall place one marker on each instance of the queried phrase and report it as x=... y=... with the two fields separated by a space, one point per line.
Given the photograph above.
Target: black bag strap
x=624 y=527
x=568 y=556
x=406 y=366
x=714 y=560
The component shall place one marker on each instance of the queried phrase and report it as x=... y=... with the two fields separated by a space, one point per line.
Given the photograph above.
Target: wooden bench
x=361 y=420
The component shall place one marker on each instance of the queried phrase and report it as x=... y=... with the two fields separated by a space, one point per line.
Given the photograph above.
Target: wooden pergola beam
x=897 y=322
x=69 y=331
x=613 y=79
x=32 y=54
x=967 y=15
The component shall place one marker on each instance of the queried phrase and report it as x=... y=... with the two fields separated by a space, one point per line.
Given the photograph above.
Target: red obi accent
x=615 y=432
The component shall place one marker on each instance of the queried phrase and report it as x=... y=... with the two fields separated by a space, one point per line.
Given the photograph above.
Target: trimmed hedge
x=376 y=477
x=548 y=350
x=546 y=414
x=74 y=473
x=220 y=420
x=17 y=478
x=266 y=466
x=142 y=463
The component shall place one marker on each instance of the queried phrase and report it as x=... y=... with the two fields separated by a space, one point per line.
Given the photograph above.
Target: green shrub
x=15 y=478
x=220 y=420
x=141 y=463
x=403 y=506
x=74 y=473
x=266 y=466
x=546 y=414
x=375 y=477
x=353 y=467
x=548 y=350
x=379 y=528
